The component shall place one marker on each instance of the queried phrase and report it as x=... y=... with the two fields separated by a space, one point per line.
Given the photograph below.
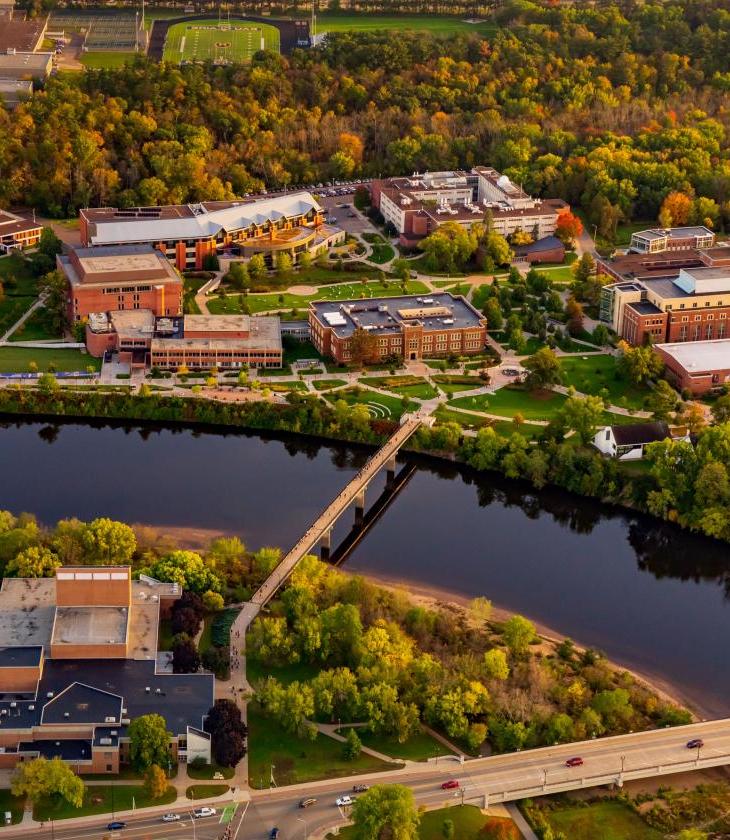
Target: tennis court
x=220 y=42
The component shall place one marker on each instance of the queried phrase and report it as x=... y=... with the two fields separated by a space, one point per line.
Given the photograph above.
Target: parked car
x=307 y=803
x=576 y=761
x=695 y=744
x=203 y=812
x=116 y=826
x=273 y=834
x=170 y=817
x=341 y=801
x=450 y=785
x=360 y=788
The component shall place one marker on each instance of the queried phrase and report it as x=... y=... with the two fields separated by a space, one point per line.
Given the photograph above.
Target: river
x=649 y=595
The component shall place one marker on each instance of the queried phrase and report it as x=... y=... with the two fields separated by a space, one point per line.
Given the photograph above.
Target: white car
x=170 y=817
x=203 y=812
x=345 y=800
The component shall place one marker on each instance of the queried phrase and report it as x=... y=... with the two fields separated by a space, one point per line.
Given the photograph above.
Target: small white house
x=627 y=442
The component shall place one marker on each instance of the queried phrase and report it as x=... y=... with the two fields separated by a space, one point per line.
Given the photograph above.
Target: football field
x=224 y=43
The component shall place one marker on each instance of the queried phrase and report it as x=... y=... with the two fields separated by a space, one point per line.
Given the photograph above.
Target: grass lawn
x=207 y=771
x=607 y=820
x=591 y=374
x=232 y=304
x=14 y=804
x=283 y=387
x=506 y=402
x=20 y=288
x=532 y=345
x=326 y=384
x=18 y=359
x=205 y=791
x=406 y=386
x=164 y=635
x=295 y=759
x=382 y=253
x=560 y=274
x=98 y=800
x=380 y=406
x=419 y=264
x=469 y=421
x=191 y=286
x=469 y=824
x=106 y=60
x=419 y=747
x=12 y=308
x=37 y=328
x=295 y=350
x=301 y=671
x=453 y=383
x=206 y=637
x=436 y=24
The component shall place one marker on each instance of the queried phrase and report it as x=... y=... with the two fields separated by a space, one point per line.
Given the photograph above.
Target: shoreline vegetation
x=261 y=417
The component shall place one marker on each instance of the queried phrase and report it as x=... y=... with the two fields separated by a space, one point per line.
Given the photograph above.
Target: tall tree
x=149 y=742
x=386 y=812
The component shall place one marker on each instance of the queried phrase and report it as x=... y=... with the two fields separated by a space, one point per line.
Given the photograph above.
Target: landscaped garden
x=380 y=406
x=599 y=375
x=406 y=386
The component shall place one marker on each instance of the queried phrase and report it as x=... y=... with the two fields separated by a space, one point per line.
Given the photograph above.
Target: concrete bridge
x=319 y=533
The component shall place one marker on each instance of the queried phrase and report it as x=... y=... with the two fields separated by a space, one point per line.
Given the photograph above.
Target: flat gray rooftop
x=27 y=607
x=90 y=625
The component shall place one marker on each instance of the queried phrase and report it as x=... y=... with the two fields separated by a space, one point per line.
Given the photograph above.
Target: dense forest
x=608 y=105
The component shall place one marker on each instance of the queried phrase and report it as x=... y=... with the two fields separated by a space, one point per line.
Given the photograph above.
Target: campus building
x=120 y=278
x=691 y=304
x=700 y=367
x=292 y=224
x=198 y=342
x=16 y=232
x=73 y=677
x=628 y=441
x=660 y=240
x=418 y=205
x=408 y=326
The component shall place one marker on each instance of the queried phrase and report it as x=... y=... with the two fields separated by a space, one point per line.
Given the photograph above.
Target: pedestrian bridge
x=319 y=532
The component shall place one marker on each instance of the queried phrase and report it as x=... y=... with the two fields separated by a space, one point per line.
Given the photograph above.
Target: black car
x=359 y=788
x=273 y=834
x=115 y=826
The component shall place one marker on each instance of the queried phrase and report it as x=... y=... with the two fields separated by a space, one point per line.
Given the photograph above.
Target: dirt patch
x=302 y=290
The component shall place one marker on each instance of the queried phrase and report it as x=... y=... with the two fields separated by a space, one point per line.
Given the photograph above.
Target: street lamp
x=299 y=819
x=195 y=827
x=623 y=759
x=544 y=777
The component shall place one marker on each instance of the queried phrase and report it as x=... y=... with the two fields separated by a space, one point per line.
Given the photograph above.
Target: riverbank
x=432 y=597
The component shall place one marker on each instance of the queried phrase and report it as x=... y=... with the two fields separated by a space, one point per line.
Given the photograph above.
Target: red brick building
x=120 y=278
x=16 y=232
x=699 y=367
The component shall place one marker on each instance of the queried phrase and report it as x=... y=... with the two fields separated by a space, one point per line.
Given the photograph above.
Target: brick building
x=418 y=205
x=409 y=326
x=188 y=233
x=700 y=367
x=690 y=305
x=124 y=277
x=73 y=678
x=660 y=240
x=17 y=233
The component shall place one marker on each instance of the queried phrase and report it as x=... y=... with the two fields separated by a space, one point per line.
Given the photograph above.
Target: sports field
x=436 y=24
x=202 y=40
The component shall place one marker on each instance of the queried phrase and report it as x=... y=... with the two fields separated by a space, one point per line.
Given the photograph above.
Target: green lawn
x=106 y=60
x=203 y=40
x=295 y=350
x=206 y=639
x=301 y=671
x=560 y=274
x=469 y=824
x=419 y=747
x=20 y=290
x=191 y=286
x=101 y=799
x=18 y=359
x=164 y=635
x=37 y=328
x=382 y=253
x=591 y=374
x=436 y=24
x=506 y=402
x=207 y=771
x=454 y=383
x=326 y=384
x=295 y=759
x=381 y=407
x=205 y=791
x=469 y=421
x=607 y=820
x=269 y=301
x=14 y=804
x=406 y=386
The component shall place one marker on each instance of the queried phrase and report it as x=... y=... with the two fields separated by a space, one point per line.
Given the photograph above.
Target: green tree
x=448 y=832
x=582 y=415
x=518 y=632
x=185 y=568
x=108 y=542
x=480 y=609
x=614 y=706
x=363 y=347
x=353 y=745
x=638 y=364
x=42 y=777
x=257 y=267
x=448 y=248
x=48 y=384
x=544 y=367
x=149 y=742
x=53 y=289
x=213 y=601
x=50 y=245
x=386 y=811
x=283 y=265
x=238 y=275
x=497 y=249
x=68 y=541
x=495 y=664
x=35 y=562
x=493 y=313
x=663 y=400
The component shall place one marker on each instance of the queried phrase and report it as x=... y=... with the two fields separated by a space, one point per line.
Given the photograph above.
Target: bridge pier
x=360 y=508
x=325 y=544
x=390 y=472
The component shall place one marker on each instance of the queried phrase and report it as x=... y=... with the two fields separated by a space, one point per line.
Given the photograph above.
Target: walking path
x=23 y=318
